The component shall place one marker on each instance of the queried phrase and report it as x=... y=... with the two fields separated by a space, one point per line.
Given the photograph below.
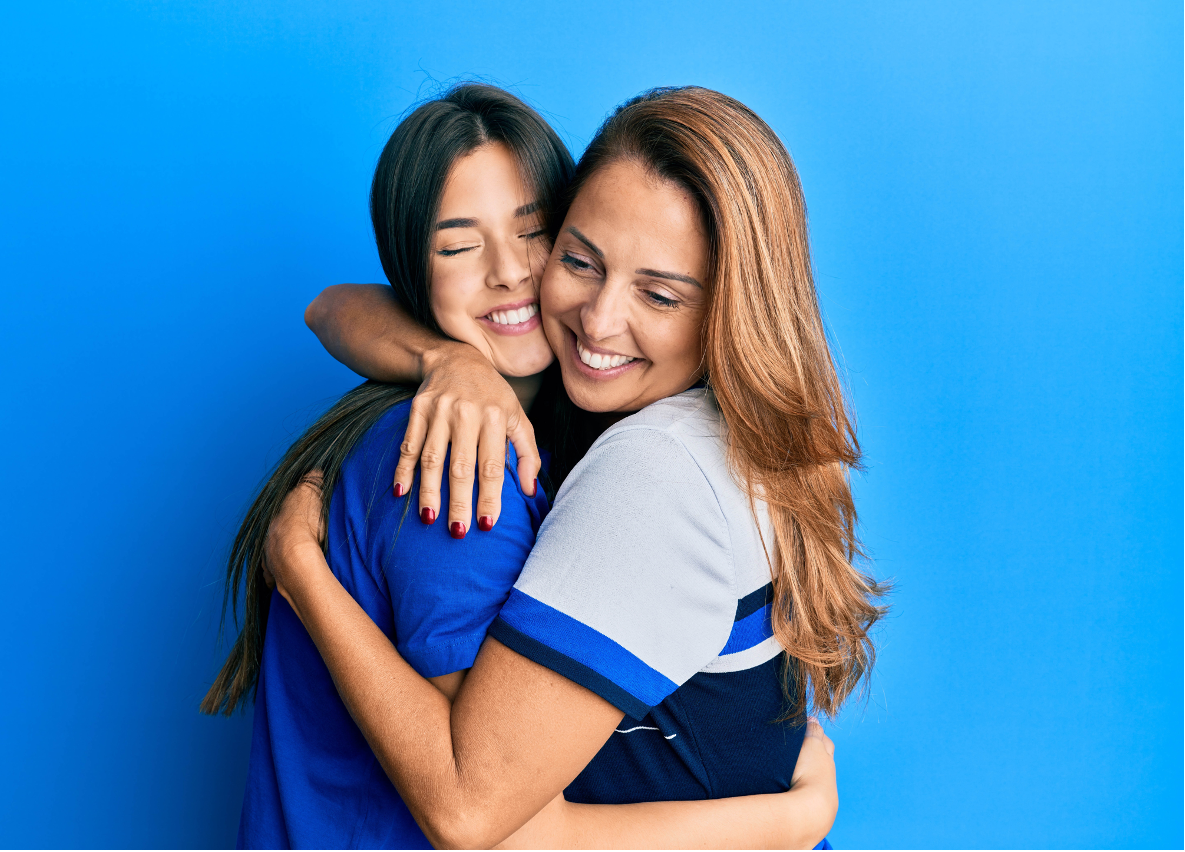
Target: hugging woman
x=691 y=593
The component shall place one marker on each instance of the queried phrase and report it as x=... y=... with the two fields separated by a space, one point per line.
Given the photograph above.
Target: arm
x=516 y=736
x=463 y=401
x=797 y=819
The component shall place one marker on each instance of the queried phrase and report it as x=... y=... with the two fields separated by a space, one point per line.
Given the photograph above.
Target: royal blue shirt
x=313 y=781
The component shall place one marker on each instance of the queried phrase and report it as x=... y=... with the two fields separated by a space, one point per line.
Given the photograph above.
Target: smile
x=512 y=320
x=513 y=317
x=601 y=362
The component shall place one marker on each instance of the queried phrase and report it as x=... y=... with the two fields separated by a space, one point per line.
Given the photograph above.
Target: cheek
x=448 y=300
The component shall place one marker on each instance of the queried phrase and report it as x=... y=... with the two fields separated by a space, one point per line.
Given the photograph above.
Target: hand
x=464 y=402
x=814 y=774
x=297 y=526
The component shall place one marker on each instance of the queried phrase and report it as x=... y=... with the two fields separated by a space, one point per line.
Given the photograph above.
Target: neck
x=525 y=388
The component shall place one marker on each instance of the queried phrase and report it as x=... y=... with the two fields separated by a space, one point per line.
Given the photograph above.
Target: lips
x=513 y=319
x=513 y=316
x=598 y=361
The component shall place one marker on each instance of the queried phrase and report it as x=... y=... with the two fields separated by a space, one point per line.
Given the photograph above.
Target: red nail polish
x=398 y=489
x=485 y=523
x=535 y=489
x=456 y=530
x=427 y=515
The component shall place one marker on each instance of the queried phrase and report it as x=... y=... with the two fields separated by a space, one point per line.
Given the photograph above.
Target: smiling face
x=488 y=251
x=624 y=290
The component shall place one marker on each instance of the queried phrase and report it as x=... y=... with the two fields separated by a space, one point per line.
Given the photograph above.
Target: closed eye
x=575 y=263
x=662 y=301
x=452 y=252
x=534 y=235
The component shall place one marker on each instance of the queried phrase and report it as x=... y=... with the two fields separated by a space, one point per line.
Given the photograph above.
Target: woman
x=648 y=594
x=481 y=172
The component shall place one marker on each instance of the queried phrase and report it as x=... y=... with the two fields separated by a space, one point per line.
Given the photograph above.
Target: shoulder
x=675 y=441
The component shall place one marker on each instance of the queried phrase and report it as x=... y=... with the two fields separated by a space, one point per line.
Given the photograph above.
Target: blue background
x=995 y=193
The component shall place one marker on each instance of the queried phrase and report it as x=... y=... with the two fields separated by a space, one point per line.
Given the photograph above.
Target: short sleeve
x=630 y=589
x=440 y=594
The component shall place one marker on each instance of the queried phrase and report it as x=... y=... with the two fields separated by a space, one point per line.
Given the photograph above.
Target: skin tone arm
x=363 y=327
x=475 y=772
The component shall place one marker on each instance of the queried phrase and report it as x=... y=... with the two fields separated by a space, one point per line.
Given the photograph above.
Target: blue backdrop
x=995 y=193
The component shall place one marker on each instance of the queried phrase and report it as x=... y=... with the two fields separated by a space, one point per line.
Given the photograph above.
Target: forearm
x=798 y=819
x=372 y=678
x=473 y=772
x=363 y=327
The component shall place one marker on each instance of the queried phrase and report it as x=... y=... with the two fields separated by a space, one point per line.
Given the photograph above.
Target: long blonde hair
x=790 y=433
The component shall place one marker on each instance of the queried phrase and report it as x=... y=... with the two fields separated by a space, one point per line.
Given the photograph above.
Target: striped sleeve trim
x=579 y=653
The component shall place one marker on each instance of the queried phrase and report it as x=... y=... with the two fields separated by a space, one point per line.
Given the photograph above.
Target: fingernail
x=427 y=515
x=535 y=488
x=456 y=529
x=398 y=489
x=485 y=523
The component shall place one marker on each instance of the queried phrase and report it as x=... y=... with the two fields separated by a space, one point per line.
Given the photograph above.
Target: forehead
x=487 y=178
x=634 y=215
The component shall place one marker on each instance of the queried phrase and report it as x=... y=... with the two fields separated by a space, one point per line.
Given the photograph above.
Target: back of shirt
x=313 y=781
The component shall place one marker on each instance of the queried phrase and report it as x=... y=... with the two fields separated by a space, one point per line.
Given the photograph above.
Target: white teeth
x=514 y=317
x=601 y=362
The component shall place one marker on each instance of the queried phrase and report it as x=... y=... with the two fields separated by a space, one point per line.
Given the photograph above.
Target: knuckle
x=458 y=507
x=461 y=468
x=407 y=448
x=431 y=458
x=491 y=470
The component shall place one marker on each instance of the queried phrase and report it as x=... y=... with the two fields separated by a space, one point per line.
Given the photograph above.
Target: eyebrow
x=673 y=276
x=527 y=209
x=455 y=223
x=586 y=241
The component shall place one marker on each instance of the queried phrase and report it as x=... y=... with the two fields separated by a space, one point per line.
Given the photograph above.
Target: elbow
x=464 y=830
x=314 y=314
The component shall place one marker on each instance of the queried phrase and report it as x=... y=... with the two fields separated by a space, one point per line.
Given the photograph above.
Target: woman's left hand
x=296 y=529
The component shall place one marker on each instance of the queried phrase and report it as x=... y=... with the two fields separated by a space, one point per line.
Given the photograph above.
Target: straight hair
x=409 y=180
x=790 y=434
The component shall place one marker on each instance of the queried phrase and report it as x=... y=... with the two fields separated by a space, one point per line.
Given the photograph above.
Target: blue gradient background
x=995 y=193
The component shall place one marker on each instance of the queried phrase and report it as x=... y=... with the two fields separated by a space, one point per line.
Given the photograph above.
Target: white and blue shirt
x=650 y=585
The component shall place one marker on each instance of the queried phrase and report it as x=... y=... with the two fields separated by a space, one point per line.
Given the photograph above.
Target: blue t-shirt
x=313 y=781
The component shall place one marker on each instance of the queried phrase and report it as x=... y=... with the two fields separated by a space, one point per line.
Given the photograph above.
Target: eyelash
x=662 y=301
x=454 y=252
x=580 y=266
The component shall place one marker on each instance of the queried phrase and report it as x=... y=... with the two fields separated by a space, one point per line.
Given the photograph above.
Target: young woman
x=696 y=573
x=482 y=173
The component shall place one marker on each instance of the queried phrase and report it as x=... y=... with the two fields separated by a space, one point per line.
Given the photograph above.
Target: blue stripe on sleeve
x=751 y=630
x=576 y=672
x=594 y=653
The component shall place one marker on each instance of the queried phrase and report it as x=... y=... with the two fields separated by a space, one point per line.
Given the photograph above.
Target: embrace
x=663 y=586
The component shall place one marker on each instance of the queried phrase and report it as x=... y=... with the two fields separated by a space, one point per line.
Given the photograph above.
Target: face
x=488 y=251
x=623 y=292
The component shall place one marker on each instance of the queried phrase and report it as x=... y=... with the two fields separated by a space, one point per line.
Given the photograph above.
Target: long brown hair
x=790 y=432
x=404 y=200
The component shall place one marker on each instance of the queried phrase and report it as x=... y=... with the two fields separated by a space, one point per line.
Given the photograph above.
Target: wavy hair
x=791 y=436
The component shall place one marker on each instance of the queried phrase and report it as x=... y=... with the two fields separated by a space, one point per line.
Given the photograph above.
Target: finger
x=432 y=469
x=522 y=435
x=462 y=452
x=491 y=466
x=409 y=450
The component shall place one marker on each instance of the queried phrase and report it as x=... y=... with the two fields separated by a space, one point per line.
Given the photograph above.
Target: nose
x=510 y=264
x=603 y=316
